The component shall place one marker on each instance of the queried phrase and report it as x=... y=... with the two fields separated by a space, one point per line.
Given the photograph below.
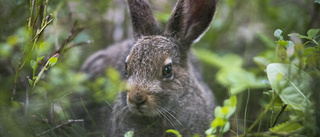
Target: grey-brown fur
x=154 y=102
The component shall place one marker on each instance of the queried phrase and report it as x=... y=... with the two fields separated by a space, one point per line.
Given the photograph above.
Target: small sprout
x=278 y=34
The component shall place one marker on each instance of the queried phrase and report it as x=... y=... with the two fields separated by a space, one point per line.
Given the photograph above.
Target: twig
x=39 y=32
x=73 y=33
x=61 y=125
x=279 y=114
x=43 y=70
x=78 y=44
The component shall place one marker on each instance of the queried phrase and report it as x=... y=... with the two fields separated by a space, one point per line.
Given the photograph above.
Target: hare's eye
x=167 y=71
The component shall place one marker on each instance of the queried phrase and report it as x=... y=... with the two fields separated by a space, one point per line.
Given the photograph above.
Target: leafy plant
x=221 y=122
x=231 y=73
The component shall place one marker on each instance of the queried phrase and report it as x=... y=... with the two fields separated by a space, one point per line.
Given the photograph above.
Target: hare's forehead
x=151 y=50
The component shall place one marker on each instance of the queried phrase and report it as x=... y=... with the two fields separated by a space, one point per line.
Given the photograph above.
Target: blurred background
x=241 y=35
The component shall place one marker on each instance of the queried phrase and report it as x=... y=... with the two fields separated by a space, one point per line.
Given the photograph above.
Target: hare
x=164 y=89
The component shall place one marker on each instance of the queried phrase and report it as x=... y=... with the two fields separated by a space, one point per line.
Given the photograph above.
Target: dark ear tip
x=190 y=19
x=142 y=19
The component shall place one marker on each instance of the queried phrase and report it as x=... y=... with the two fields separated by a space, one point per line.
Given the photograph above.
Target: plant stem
x=245 y=112
x=261 y=116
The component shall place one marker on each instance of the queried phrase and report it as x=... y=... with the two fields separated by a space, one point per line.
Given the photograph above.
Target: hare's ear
x=190 y=19
x=142 y=19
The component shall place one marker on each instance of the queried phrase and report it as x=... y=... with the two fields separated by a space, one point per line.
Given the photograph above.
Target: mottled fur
x=153 y=103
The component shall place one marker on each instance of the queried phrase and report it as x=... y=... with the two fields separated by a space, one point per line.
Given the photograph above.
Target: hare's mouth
x=143 y=110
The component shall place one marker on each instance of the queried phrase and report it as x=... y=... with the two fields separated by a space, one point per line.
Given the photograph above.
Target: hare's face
x=154 y=76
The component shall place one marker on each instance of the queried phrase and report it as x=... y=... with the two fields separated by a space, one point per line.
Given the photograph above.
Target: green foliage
x=106 y=88
x=39 y=88
x=291 y=84
x=286 y=127
x=231 y=73
x=222 y=115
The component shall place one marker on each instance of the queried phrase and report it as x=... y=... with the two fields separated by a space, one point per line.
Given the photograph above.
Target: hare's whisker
x=167 y=118
x=171 y=115
x=124 y=115
x=120 y=111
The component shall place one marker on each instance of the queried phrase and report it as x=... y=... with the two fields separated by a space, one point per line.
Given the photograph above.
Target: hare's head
x=157 y=75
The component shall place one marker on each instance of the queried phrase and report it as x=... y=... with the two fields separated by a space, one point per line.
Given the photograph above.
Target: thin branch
x=39 y=32
x=61 y=125
x=73 y=33
x=43 y=70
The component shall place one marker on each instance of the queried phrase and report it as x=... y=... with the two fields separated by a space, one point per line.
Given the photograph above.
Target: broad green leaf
x=226 y=61
x=312 y=32
x=174 y=132
x=238 y=80
x=128 y=134
x=278 y=34
x=286 y=127
x=291 y=83
x=33 y=64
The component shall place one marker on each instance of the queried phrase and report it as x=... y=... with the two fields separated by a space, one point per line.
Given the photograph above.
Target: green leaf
x=211 y=131
x=312 y=32
x=226 y=127
x=227 y=61
x=218 y=122
x=282 y=42
x=278 y=34
x=238 y=80
x=291 y=83
x=309 y=51
x=30 y=81
x=52 y=61
x=174 y=132
x=317 y=1
x=299 y=35
x=40 y=58
x=33 y=64
x=286 y=127
x=217 y=112
x=128 y=134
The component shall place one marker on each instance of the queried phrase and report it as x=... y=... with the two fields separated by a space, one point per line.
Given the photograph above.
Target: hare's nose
x=138 y=99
